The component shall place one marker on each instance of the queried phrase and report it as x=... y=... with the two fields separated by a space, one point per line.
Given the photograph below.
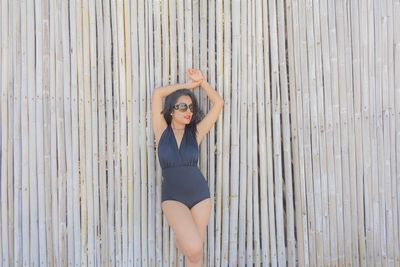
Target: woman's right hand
x=192 y=84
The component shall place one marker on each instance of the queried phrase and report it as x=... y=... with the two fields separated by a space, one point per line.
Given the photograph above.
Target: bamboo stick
x=345 y=256
x=261 y=149
x=324 y=213
x=396 y=74
x=155 y=235
x=142 y=127
x=227 y=141
x=117 y=118
x=268 y=253
x=292 y=259
x=109 y=134
x=250 y=137
x=244 y=89
x=234 y=146
x=122 y=104
x=60 y=137
x=211 y=77
x=219 y=168
x=65 y=99
x=361 y=256
x=390 y=135
x=336 y=134
x=4 y=247
x=303 y=257
x=25 y=129
x=94 y=184
x=75 y=179
x=396 y=99
x=81 y=124
x=17 y=154
x=158 y=80
x=102 y=246
x=33 y=194
x=376 y=221
x=288 y=184
x=353 y=257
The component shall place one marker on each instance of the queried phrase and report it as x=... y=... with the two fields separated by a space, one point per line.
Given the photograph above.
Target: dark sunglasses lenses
x=183 y=107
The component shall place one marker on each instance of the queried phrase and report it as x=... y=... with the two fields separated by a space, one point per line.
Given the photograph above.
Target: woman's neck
x=177 y=126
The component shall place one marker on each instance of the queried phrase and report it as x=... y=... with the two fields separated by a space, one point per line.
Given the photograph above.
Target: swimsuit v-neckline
x=176 y=142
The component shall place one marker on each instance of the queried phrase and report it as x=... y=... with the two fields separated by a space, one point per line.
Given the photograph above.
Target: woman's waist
x=173 y=171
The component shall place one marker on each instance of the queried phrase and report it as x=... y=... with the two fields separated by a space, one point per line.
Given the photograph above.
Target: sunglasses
x=183 y=107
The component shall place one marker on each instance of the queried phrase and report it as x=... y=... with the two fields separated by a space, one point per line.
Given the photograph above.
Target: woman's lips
x=187 y=117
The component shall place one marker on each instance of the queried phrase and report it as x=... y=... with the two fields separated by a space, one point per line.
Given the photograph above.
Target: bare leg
x=185 y=229
x=201 y=215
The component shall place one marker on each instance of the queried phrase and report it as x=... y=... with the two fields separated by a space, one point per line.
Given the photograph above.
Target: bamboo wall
x=303 y=163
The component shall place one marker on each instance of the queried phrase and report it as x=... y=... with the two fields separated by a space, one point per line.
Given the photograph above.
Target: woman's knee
x=194 y=251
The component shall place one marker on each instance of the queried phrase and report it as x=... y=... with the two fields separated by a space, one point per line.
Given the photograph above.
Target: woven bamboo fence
x=303 y=163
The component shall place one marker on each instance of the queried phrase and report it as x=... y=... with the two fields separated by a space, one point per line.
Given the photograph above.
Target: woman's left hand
x=195 y=74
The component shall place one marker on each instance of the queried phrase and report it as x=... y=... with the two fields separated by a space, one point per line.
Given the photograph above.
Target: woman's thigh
x=180 y=219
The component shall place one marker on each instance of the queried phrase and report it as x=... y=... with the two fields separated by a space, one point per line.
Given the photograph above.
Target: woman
x=179 y=128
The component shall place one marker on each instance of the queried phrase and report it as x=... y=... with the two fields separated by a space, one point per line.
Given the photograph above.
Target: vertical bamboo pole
x=60 y=137
x=353 y=257
x=211 y=77
x=234 y=146
x=324 y=212
x=75 y=132
x=142 y=126
x=122 y=99
x=65 y=99
x=314 y=137
x=33 y=194
x=244 y=89
x=292 y=255
x=39 y=132
x=94 y=185
x=82 y=140
x=220 y=141
x=396 y=74
x=154 y=213
x=344 y=184
x=102 y=248
x=129 y=182
x=366 y=133
x=158 y=80
x=259 y=181
x=288 y=185
x=376 y=220
x=301 y=214
x=227 y=121
x=337 y=195
x=109 y=134
x=265 y=138
x=86 y=90
x=17 y=152
x=24 y=129
x=4 y=247
x=251 y=132
x=390 y=136
x=117 y=118
x=355 y=26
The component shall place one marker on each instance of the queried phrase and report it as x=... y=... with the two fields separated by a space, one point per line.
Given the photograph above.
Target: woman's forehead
x=184 y=98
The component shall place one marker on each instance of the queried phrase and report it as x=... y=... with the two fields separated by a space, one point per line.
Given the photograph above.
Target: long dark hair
x=171 y=100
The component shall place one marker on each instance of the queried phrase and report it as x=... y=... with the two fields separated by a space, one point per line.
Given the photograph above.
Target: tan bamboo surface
x=302 y=164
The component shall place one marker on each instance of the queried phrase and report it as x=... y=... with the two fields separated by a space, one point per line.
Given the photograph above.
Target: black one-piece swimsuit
x=183 y=180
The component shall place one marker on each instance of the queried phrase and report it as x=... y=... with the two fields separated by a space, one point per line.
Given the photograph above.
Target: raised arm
x=159 y=123
x=204 y=126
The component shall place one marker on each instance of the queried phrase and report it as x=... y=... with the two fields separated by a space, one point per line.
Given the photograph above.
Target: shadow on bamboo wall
x=302 y=163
